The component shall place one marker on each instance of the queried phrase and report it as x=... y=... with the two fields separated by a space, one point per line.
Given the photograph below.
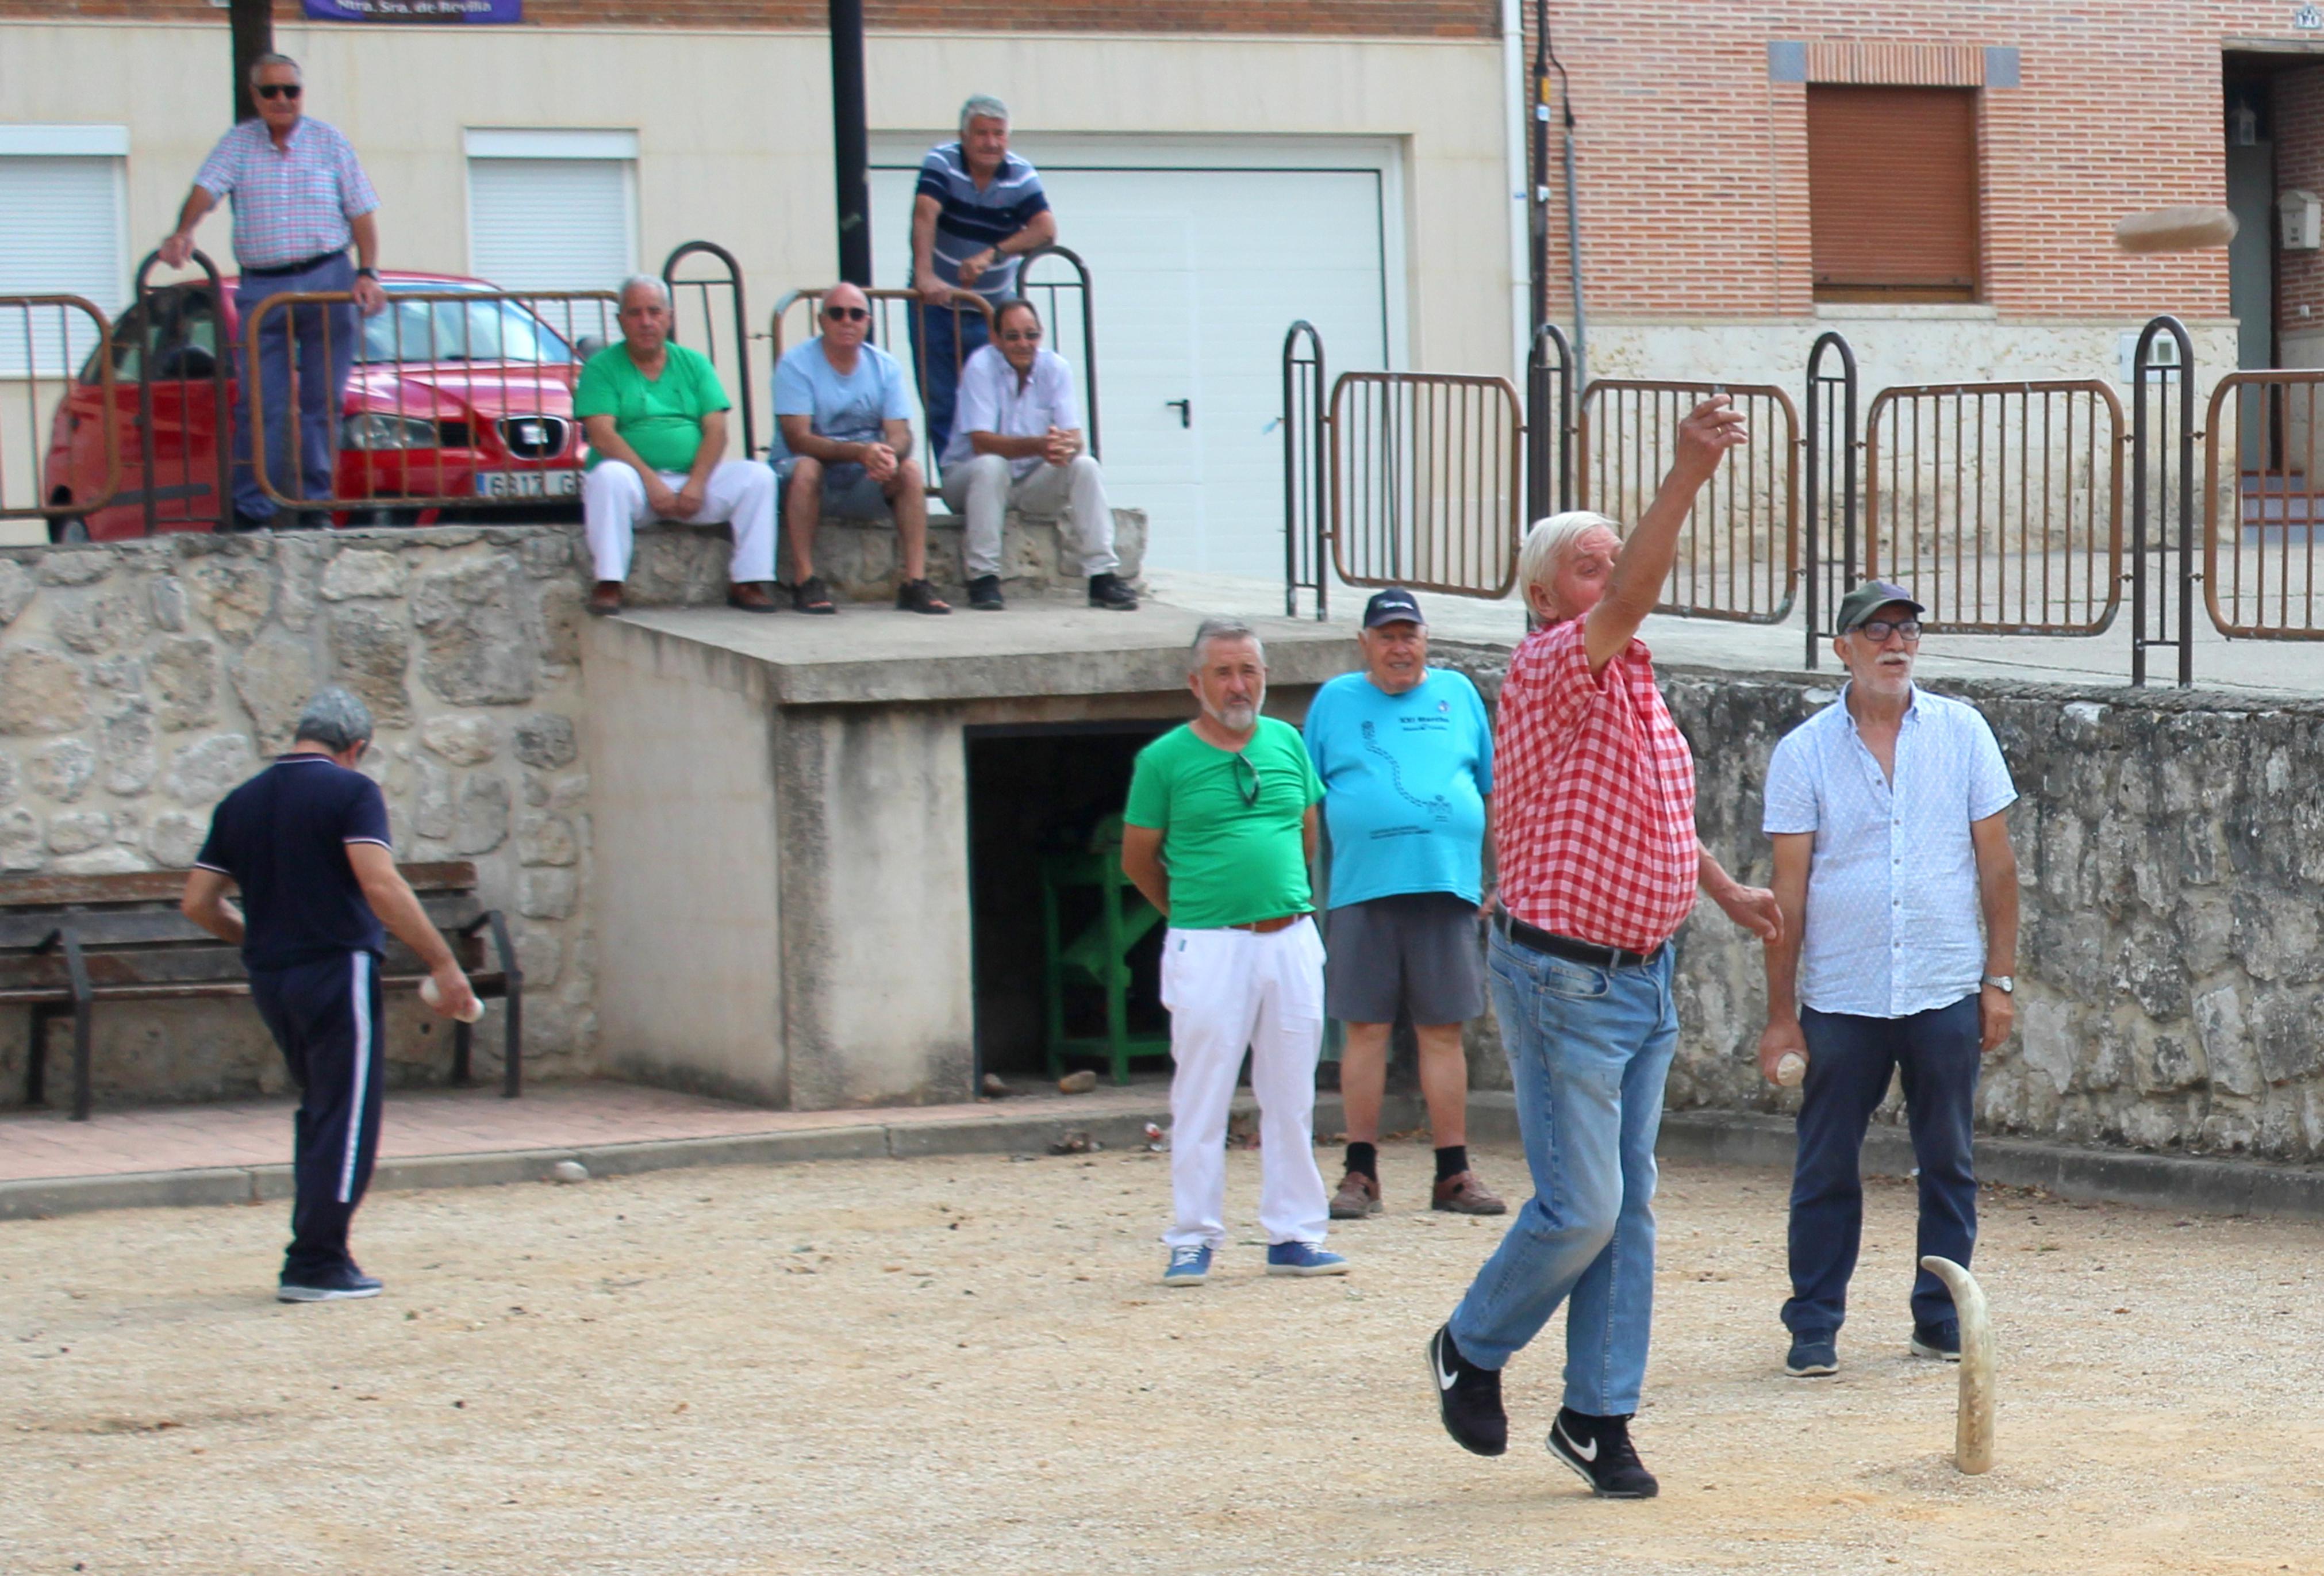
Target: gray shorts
x=849 y=493
x=1416 y=951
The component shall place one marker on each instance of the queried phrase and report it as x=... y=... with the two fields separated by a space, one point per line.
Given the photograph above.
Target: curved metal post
x=733 y=284
x=1080 y=284
x=1549 y=413
x=2143 y=372
x=1820 y=387
x=141 y=296
x=1306 y=475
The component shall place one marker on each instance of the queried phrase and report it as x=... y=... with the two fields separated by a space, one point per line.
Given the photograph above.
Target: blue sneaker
x=1188 y=1267
x=1304 y=1258
x=1814 y=1353
x=344 y=1283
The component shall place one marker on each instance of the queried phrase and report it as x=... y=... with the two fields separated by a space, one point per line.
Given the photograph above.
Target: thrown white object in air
x=1791 y=1067
x=433 y=996
x=1973 y=1426
x=2190 y=229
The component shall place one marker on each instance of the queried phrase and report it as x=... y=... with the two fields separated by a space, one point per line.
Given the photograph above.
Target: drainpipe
x=1524 y=289
x=850 y=143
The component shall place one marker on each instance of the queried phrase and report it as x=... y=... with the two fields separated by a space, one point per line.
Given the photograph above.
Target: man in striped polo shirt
x=299 y=199
x=978 y=208
x=1594 y=821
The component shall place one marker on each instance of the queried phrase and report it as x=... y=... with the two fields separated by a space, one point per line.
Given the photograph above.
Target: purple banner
x=415 y=10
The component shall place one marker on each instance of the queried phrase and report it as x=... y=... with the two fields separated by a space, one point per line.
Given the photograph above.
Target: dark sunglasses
x=277 y=90
x=1877 y=630
x=1021 y=336
x=1250 y=794
x=847 y=314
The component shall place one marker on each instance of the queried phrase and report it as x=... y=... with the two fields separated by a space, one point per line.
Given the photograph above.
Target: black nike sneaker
x=1600 y=1449
x=1468 y=1398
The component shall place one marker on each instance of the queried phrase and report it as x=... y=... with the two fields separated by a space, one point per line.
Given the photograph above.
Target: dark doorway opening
x=1035 y=790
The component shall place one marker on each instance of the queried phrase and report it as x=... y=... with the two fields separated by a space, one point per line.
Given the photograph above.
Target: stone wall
x=2170 y=960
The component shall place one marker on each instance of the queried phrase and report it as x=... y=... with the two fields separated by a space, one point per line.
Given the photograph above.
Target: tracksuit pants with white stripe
x=326 y=1016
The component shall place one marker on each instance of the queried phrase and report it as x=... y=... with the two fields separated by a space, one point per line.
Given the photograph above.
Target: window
x=1893 y=193
x=552 y=209
x=61 y=189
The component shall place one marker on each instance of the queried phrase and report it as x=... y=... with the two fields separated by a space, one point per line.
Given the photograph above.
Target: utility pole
x=253 y=21
x=851 y=143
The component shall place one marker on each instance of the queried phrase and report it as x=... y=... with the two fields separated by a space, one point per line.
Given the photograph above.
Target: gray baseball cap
x=1867 y=599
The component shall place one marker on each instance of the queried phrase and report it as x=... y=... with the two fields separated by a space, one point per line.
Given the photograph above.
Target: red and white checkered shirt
x=1593 y=795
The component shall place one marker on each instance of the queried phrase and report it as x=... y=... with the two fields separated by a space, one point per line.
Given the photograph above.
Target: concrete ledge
x=149 y=1190
x=868 y=1141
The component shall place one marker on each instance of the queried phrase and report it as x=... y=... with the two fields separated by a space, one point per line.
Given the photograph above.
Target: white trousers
x=740 y=491
x=1226 y=990
x=1073 y=494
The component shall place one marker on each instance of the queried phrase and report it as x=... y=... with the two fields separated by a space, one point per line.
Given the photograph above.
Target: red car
x=449 y=399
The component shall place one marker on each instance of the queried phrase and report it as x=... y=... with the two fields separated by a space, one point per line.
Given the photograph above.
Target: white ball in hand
x=433 y=996
x=1791 y=1067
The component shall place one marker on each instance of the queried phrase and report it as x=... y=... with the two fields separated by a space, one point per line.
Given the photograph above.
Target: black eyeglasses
x=1877 y=630
x=847 y=314
x=1250 y=794
x=1021 y=336
x=277 y=90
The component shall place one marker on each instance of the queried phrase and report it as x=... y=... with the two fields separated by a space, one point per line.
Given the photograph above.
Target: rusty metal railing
x=477 y=413
x=1427 y=481
x=891 y=312
x=1999 y=505
x=176 y=335
x=52 y=348
x=2263 y=505
x=1739 y=553
x=736 y=351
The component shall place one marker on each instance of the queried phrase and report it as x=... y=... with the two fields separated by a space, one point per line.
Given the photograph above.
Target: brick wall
x=1426 y=18
x=1694 y=163
x=2297 y=101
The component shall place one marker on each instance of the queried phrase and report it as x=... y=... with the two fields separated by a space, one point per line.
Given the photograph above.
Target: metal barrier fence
x=1549 y=423
x=1306 y=470
x=1427 y=487
x=1739 y=553
x=45 y=341
x=1999 y=503
x=2263 y=505
x=890 y=308
x=1829 y=450
x=737 y=349
x=477 y=411
x=1072 y=334
x=2162 y=496
x=173 y=344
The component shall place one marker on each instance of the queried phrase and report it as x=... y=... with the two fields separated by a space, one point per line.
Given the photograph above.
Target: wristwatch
x=2006 y=984
x=367 y=273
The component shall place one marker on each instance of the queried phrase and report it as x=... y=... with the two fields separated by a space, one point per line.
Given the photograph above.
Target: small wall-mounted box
x=2299 y=217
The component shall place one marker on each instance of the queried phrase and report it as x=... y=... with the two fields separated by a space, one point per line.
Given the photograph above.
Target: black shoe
x=343 y=1285
x=1468 y=1398
x=1941 y=1341
x=919 y=596
x=1107 y=590
x=1814 y=1353
x=984 y=594
x=242 y=521
x=1600 y=1449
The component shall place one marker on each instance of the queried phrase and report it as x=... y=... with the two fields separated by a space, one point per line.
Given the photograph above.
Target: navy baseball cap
x=1868 y=598
x=1394 y=606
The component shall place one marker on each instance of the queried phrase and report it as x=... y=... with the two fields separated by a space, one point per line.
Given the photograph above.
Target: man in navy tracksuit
x=307 y=841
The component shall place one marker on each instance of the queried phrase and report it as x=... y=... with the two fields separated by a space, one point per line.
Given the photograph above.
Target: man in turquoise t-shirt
x=656 y=417
x=1405 y=754
x=1218 y=829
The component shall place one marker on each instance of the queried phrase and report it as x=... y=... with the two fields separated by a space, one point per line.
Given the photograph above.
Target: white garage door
x=1196 y=273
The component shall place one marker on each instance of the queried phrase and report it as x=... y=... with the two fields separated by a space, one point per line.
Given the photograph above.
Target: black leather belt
x=280 y=269
x=1567 y=948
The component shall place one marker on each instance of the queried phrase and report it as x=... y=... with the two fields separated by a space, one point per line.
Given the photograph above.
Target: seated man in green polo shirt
x=1218 y=829
x=656 y=417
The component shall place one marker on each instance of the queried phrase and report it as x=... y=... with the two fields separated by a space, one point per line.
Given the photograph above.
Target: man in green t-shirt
x=656 y=417
x=1218 y=832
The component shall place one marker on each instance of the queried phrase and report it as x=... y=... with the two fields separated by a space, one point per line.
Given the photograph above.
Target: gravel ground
x=958 y=1364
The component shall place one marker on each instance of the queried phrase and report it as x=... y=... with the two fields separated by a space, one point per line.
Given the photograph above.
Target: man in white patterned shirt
x=299 y=199
x=1886 y=810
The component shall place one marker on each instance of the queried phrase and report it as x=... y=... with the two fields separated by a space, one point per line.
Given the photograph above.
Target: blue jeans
x=323 y=369
x=1588 y=1050
x=940 y=363
x=1850 y=1058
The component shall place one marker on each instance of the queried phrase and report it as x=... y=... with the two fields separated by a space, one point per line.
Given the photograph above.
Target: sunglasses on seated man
x=847 y=314
x=278 y=90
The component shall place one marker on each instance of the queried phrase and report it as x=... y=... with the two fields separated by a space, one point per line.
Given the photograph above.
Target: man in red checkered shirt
x=1599 y=865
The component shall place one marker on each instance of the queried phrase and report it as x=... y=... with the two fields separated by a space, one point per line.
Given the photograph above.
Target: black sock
x=1365 y=1158
x=1451 y=1160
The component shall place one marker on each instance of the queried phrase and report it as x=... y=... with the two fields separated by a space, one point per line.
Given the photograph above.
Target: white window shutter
x=62 y=236
x=552 y=223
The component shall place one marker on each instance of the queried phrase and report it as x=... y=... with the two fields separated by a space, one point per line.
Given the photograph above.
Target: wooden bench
x=68 y=943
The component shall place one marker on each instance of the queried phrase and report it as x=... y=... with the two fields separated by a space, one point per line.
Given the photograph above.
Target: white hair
x=1222 y=628
x=335 y=719
x=1552 y=538
x=263 y=62
x=644 y=281
x=983 y=106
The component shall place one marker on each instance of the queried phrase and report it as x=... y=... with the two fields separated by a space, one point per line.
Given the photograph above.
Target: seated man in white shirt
x=1016 y=443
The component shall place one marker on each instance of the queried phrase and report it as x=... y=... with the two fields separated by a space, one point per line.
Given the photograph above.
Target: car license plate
x=528 y=483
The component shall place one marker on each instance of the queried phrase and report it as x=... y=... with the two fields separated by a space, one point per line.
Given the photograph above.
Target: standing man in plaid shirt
x=1599 y=867
x=300 y=200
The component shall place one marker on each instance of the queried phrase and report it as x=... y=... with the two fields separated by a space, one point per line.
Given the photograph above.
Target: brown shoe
x=1464 y=1194
x=605 y=597
x=1358 y=1197
x=750 y=596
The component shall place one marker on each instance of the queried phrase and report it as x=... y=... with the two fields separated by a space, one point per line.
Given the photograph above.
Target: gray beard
x=1235 y=719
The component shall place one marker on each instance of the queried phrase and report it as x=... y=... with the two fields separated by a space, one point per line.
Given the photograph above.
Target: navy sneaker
x=1814 y=1353
x=343 y=1285
x=1304 y=1258
x=1468 y=1398
x=1941 y=1341
x=1188 y=1267
x=1600 y=1449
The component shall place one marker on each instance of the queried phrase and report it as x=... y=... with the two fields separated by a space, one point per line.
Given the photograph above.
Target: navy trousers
x=1850 y=1060
x=940 y=363
x=325 y=1017
x=325 y=340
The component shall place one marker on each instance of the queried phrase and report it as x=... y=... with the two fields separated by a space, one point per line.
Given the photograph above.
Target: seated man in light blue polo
x=844 y=443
